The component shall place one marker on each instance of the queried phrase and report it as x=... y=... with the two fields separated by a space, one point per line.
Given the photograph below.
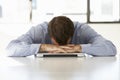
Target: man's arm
x=95 y=44
x=24 y=45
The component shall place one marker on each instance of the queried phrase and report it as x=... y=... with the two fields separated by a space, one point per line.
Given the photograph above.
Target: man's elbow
x=113 y=51
x=110 y=51
x=13 y=53
x=111 y=48
x=9 y=54
x=105 y=51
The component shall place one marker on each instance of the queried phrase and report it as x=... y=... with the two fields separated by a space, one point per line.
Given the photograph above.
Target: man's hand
x=72 y=48
x=50 y=48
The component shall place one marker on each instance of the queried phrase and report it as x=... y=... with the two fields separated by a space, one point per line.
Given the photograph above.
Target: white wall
x=12 y=31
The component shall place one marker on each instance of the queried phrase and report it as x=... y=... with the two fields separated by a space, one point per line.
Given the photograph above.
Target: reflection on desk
x=64 y=68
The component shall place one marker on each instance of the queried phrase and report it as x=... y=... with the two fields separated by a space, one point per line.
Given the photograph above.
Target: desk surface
x=85 y=68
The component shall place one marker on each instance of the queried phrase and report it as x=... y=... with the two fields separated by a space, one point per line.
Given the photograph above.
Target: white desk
x=30 y=68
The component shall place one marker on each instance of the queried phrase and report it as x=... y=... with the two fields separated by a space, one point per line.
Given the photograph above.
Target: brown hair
x=61 y=29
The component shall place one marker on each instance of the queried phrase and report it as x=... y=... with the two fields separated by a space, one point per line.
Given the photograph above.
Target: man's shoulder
x=40 y=28
x=42 y=25
x=78 y=25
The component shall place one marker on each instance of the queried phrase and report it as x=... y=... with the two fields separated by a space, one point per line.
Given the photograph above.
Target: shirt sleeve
x=24 y=45
x=95 y=44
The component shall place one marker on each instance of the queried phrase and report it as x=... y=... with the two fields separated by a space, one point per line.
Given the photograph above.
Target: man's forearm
x=73 y=48
x=50 y=48
x=19 y=49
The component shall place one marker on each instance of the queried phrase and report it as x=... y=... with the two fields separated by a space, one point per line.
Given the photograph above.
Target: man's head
x=61 y=30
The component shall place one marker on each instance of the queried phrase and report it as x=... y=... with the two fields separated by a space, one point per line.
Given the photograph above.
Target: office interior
x=18 y=16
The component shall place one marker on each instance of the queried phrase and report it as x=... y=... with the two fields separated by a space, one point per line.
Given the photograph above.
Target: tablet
x=60 y=55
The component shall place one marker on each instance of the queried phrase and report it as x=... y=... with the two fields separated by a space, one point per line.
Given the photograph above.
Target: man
x=61 y=35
